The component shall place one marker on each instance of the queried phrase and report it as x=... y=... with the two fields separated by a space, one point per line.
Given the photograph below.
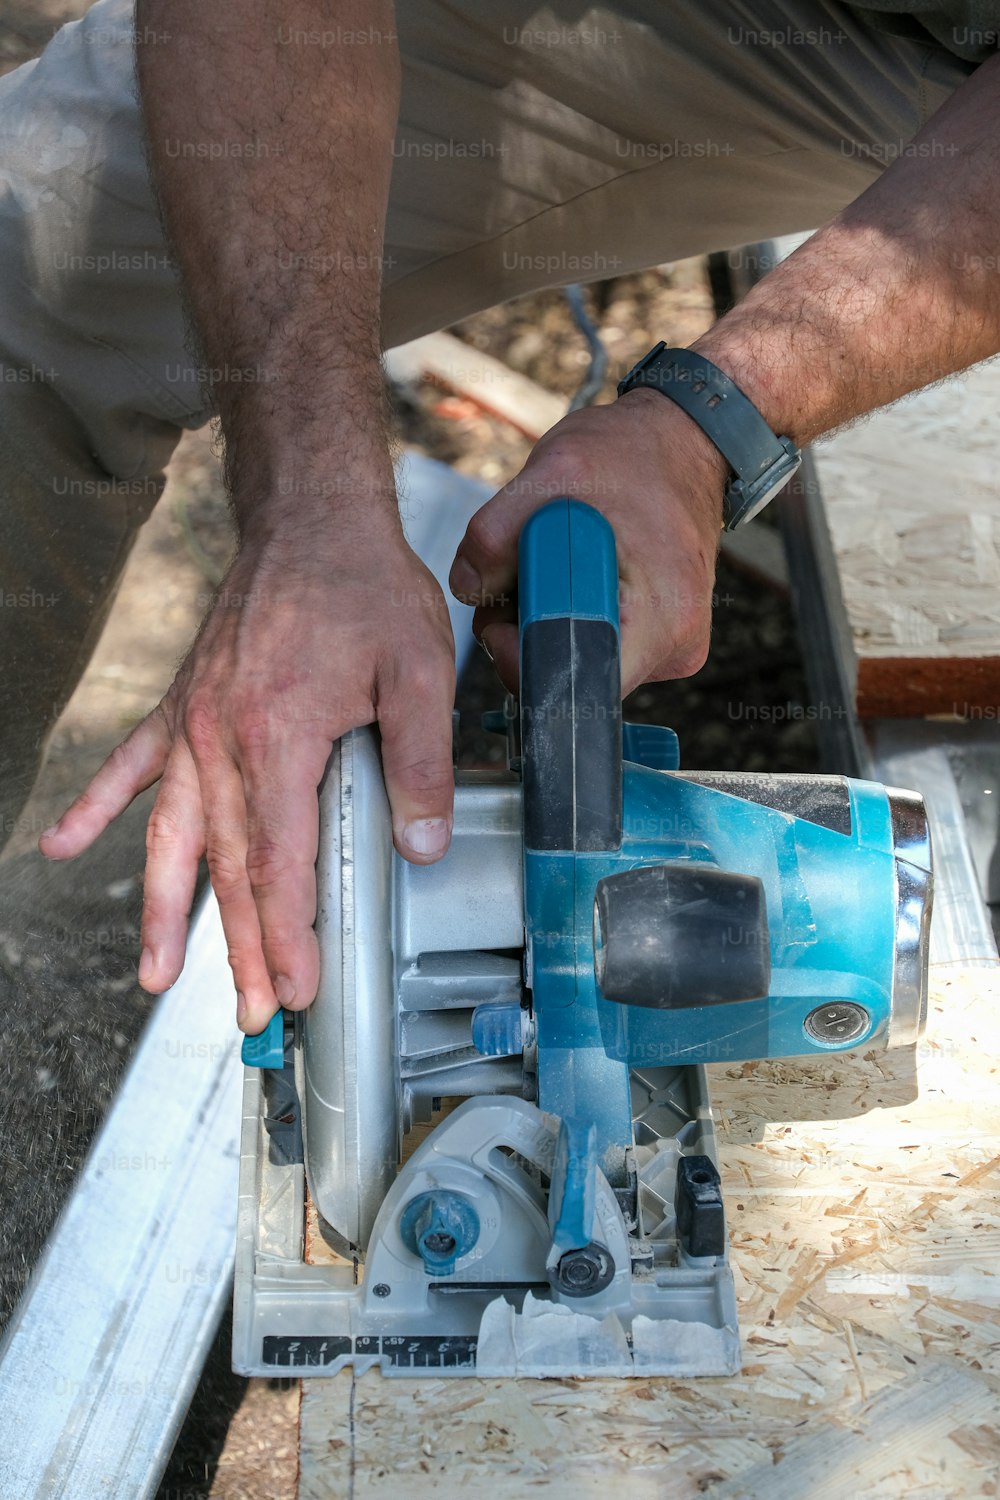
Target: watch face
x=765 y=499
x=744 y=501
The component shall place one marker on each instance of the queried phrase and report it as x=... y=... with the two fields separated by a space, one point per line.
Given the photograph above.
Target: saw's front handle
x=571 y=723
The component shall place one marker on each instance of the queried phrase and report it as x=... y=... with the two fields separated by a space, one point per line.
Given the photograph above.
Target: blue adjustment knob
x=267 y=1048
x=440 y=1227
x=498 y=1029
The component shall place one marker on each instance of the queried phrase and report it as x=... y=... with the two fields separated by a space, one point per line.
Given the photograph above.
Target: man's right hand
x=303 y=642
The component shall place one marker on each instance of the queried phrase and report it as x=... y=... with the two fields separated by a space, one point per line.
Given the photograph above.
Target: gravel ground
x=69 y=936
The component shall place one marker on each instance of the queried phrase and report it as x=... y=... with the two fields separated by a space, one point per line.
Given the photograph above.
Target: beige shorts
x=538 y=145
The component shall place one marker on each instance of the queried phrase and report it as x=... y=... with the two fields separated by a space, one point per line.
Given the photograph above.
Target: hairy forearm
x=270 y=135
x=901 y=289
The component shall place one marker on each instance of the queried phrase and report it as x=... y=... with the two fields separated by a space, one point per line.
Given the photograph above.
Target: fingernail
x=50 y=831
x=464 y=578
x=146 y=966
x=486 y=647
x=426 y=835
x=284 y=989
x=241 y=1008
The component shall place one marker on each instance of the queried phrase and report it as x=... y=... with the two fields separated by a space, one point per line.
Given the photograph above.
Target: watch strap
x=726 y=416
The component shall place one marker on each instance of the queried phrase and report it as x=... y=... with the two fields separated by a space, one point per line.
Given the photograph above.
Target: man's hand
x=271 y=157
x=659 y=481
x=300 y=646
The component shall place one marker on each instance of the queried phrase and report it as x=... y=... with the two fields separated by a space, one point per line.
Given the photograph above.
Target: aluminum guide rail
x=105 y=1348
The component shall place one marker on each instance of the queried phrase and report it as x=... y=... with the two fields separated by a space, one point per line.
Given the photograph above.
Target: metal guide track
x=105 y=1348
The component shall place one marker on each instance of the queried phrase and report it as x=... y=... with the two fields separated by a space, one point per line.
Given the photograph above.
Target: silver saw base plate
x=496 y=1315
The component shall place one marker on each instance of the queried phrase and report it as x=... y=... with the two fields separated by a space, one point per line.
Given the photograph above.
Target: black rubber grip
x=571 y=735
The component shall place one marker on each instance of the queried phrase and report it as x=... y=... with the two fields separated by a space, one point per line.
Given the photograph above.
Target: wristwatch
x=761 y=461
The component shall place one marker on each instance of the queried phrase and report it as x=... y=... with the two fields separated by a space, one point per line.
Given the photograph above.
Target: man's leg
x=542 y=146
x=67 y=527
x=95 y=382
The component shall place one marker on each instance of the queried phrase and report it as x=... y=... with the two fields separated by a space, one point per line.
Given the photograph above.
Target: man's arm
x=271 y=149
x=280 y=236
x=899 y=290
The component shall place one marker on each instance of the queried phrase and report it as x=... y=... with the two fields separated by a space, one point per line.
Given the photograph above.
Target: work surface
x=913 y=507
x=864 y=1216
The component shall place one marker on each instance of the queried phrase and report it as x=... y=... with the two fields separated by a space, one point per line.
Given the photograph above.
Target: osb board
x=865 y=1230
x=913 y=505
